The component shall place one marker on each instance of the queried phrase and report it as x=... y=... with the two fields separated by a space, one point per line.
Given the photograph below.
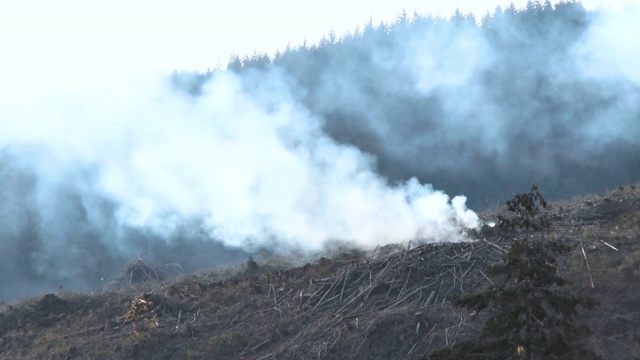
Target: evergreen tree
x=531 y=318
x=234 y=64
x=529 y=212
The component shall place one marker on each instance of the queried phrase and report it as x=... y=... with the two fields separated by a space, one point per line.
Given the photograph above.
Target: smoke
x=546 y=95
x=93 y=177
x=610 y=49
x=257 y=169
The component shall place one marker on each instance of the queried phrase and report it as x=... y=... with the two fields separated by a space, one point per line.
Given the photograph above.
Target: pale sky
x=68 y=38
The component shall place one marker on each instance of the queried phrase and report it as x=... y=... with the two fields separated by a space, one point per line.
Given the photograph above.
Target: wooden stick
x=323 y=296
x=486 y=277
x=611 y=246
x=587 y=261
x=433 y=292
x=405 y=283
x=343 y=284
x=494 y=245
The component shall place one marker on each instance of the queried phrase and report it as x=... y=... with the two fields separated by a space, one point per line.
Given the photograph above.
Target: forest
x=508 y=99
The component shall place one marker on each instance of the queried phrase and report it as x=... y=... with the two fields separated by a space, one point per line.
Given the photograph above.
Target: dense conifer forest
x=478 y=106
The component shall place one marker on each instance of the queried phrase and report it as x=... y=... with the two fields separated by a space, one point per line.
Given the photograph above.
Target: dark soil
x=392 y=303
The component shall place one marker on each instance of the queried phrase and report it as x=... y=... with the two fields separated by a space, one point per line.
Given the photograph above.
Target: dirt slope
x=392 y=303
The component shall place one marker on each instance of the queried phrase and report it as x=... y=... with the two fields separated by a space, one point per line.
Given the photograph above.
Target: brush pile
x=352 y=305
x=137 y=272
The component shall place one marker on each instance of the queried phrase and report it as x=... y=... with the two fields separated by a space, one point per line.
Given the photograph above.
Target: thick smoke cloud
x=95 y=177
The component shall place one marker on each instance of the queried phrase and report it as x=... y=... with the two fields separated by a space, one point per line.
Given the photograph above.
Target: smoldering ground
x=322 y=145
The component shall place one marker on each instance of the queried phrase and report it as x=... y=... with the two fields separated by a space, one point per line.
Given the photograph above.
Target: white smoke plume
x=251 y=170
x=254 y=168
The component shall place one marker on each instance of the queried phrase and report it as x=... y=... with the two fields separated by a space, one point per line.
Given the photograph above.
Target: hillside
x=319 y=141
x=391 y=303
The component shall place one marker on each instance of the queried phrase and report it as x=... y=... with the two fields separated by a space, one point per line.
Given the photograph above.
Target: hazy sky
x=42 y=39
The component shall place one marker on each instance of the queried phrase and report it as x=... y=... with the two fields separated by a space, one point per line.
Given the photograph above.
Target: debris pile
x=358 y=300
x=137 y=272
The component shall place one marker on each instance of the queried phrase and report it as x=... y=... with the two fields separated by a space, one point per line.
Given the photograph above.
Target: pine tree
x=528 y=209
x=531 y=317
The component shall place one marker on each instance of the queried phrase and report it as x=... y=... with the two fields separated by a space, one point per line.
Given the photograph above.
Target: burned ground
x=391 y=303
